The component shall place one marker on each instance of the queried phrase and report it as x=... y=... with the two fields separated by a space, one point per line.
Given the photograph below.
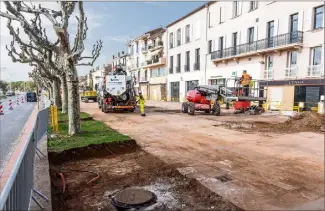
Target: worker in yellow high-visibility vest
x=141 y=101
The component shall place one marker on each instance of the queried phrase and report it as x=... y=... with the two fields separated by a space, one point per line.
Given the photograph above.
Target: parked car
x=10 y=93
x=31 y=97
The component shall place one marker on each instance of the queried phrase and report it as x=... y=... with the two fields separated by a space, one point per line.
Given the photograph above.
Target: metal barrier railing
x=18 y=190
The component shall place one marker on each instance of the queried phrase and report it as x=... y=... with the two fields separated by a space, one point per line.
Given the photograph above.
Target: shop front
x=284 y=94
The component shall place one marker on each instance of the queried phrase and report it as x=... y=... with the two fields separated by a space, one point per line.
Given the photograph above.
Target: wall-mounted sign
x=300 y=82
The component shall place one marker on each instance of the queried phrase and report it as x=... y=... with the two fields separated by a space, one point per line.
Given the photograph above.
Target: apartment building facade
x=146 y=62
x=279 y=42
x=186 y=54
x=119 y=59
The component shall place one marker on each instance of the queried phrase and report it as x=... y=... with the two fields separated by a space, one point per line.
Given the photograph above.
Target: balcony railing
x=154 y=46
x=178 y=69
x=315 y=71
x=260 y=45
x=196 y=66
x=144 y=49
x=171 y=70
x=268 y=74
x=291 y=72
x=186 y=68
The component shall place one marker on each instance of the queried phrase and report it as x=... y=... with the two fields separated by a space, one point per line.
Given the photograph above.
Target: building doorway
x=174 y=91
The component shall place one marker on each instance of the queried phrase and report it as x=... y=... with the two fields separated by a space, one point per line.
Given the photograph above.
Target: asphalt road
x=11 y=125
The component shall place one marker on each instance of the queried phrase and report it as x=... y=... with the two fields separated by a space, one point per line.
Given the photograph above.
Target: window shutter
x=300 y=20
x=256 y=32
x=276 y=27
x=222 y=16
x=240 y=7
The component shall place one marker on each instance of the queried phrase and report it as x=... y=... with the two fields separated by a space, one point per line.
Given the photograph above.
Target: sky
x=112 y=22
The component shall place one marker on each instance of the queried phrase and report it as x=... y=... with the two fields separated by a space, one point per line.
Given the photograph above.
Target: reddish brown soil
x=302 y=122
x=133 y=169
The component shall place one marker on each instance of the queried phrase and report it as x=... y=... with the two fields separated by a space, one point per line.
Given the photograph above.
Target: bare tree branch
x=95 y=54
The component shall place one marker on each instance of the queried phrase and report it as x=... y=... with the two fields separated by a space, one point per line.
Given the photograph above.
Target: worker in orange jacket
x=245 y=81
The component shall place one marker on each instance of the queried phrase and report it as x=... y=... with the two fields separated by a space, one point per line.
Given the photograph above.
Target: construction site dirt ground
x=255 y=162
x=93 y=175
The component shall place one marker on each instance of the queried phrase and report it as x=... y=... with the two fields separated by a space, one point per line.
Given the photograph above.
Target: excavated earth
x=301 y=122
x=93 y=175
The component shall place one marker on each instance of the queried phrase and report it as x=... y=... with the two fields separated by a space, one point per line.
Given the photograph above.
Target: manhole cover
x=133 y=198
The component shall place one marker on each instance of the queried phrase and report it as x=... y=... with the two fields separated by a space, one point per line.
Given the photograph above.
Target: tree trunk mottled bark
x=56 y=93
x=73 y=102
x=64 y=86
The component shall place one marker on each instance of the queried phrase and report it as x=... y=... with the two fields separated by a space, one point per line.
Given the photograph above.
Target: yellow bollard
x=52 y=116
x=56 y=123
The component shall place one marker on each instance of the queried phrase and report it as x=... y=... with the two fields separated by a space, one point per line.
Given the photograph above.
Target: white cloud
x=118 y=38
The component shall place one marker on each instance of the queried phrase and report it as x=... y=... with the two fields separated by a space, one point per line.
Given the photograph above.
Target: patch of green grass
x=65 y=118
x=93 y=132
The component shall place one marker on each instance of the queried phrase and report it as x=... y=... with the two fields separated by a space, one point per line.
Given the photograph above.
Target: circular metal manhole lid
x=133 y=198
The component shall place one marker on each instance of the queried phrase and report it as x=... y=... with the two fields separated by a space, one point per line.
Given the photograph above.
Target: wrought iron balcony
x=196 y=66
x=178 y=69
x=144 y=49
x=275 y=42
x=268 y=74
x=156 y=46
x=155 y=62
x=315 y=71
x=186 y=68
x=291 y=72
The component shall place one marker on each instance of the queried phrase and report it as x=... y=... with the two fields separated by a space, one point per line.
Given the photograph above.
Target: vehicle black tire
x=207 y=111
x=102 y=108
x=86 y=100
x=184 y=107
x=191 y=108
x=216 y=109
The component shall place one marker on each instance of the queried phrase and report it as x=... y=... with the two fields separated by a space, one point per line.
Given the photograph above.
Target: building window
x=292 y=59
x=171 y=67
x=234 y=43
x=187 y=33
x=197 y=59
x=171 y=39
x=145 y=75
x=270 y=33
x=250 y=35
x=209 y=46
x=294 y=28
x=137 y=62
x=138 y=76
x=269 y=62
x=316 y=57
x=318 y=17
x=236 y=9
x=187 y=60
x=178 y=37
x=221 y=82
x=253 y=5
x=221 y=43
x=209 y=19
x=137 y=48
x=222 y=16
x=178 y=67
x=190 y=85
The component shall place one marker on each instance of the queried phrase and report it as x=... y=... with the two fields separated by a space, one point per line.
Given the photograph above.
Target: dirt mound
x=301 y=122
x=306 y=121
